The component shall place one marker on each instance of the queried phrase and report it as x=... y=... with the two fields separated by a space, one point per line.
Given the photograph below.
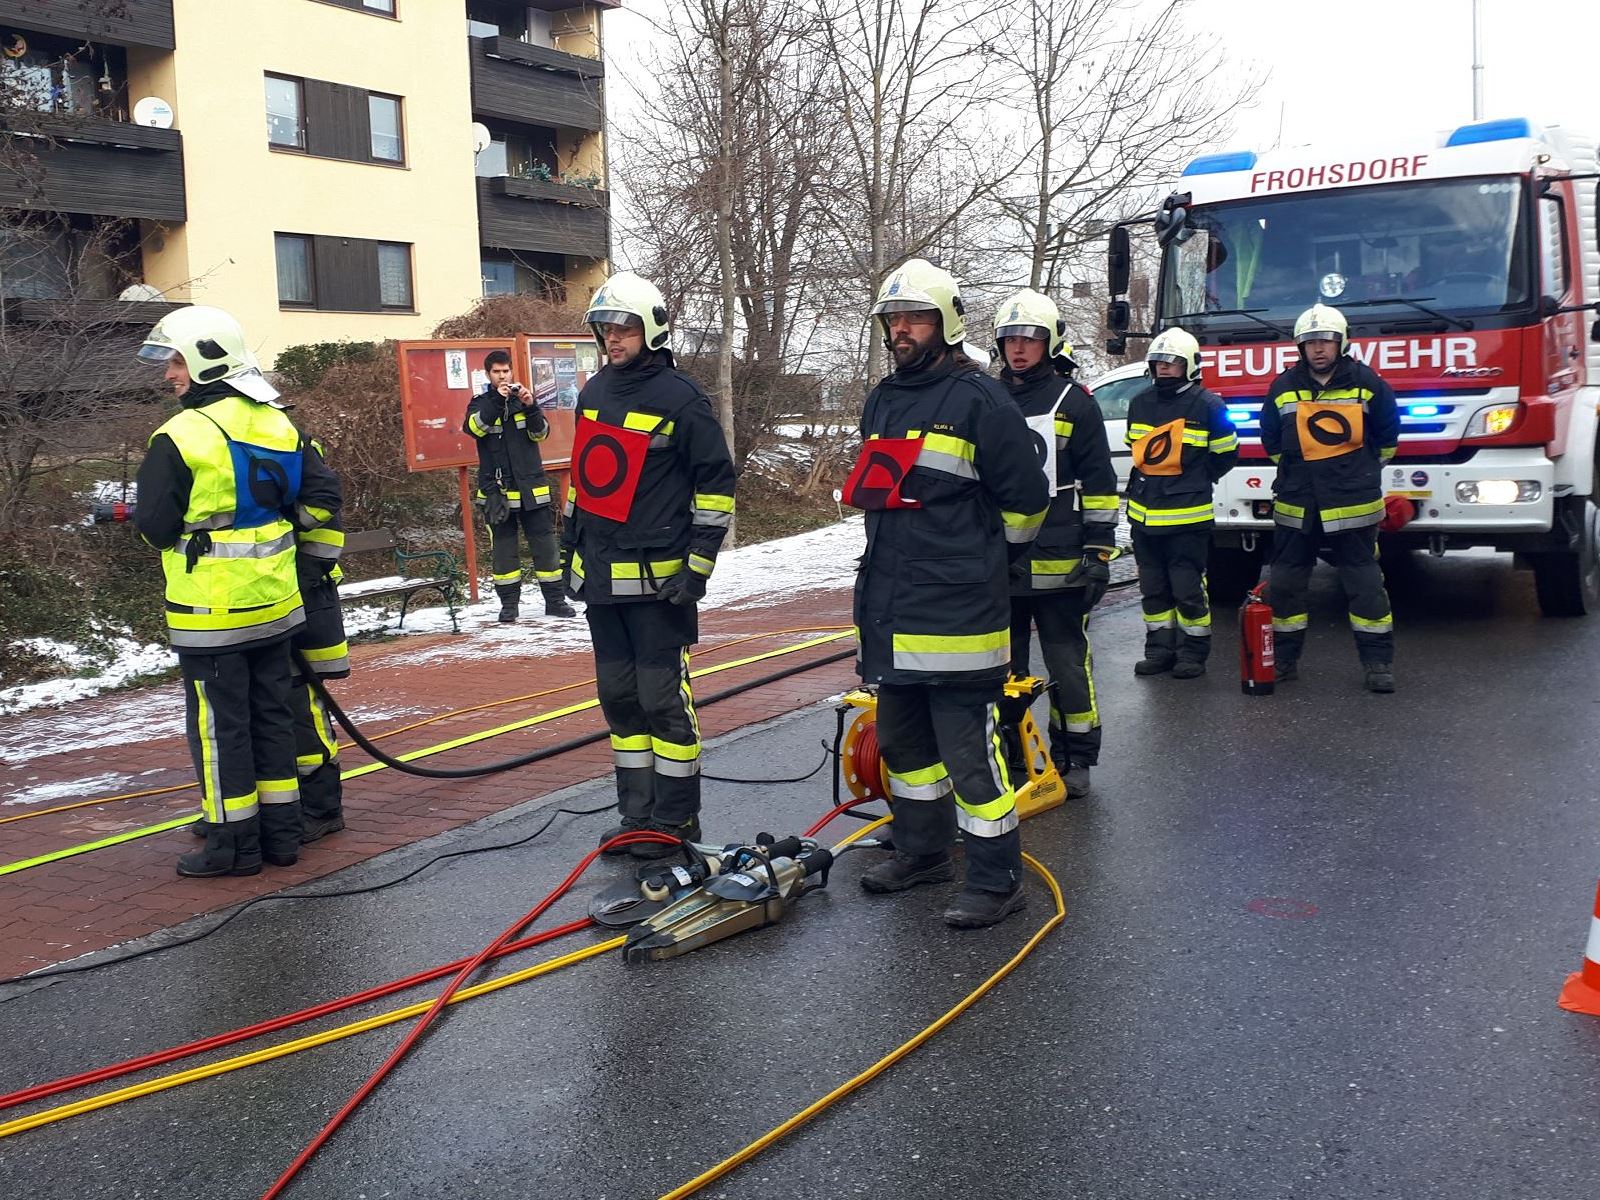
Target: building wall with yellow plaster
x=240 y=192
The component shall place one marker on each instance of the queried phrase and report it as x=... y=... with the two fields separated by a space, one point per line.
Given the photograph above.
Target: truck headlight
x=1497 y=418
x=1498 y=491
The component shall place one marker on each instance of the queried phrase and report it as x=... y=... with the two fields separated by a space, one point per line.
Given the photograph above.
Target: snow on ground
x=68 y=789
x=748 y=577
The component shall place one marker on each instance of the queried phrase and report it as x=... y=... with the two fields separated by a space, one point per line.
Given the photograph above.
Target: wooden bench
x=443 y=575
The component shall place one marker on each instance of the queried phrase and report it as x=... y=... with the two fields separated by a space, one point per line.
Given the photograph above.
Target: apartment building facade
x=325 y=169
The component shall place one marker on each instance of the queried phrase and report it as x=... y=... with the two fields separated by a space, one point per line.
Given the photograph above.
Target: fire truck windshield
x=1453 y=245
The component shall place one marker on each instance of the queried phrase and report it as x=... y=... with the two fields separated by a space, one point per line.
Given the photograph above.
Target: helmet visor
x=1037 y=332
x=156 y=355
x=913 y=304
x=1162 y=356
x=1320 y=335
x=615 y=316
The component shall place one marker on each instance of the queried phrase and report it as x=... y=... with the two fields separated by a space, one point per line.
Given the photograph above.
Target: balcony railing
x=517 y=89
x=544 y=57
x=551 y=218
x=114 y=22
x=96 y=166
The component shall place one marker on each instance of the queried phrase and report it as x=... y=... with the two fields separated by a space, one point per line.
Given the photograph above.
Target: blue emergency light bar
x=1492 y=131
x=1217 y=164
x=1423 y=410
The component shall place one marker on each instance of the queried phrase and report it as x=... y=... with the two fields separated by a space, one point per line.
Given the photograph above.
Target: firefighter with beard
x=1330 y=423
x=1066 y=570
x=223 y=489
x=650 y=500
x=953 y=494
x=1182 y=444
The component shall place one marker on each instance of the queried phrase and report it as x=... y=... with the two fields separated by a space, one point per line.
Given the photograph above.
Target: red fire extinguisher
x=1257 y=673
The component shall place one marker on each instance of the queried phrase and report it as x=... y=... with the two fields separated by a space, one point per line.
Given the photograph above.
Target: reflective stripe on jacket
x=508 y=436
x=932 y=601
x=1083 y=512
x=228 y=588
x=683 y=503
x=1344 y=490
x=1210 y=448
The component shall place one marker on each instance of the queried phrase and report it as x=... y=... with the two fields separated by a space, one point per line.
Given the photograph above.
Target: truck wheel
x=1231 y=572
x=1568 y=584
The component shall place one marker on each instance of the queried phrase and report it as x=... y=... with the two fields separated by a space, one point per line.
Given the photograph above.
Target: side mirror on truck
x=1119 y=316
x=1119 y=261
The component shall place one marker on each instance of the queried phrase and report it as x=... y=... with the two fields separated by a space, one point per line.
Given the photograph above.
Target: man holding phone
x=507 y=424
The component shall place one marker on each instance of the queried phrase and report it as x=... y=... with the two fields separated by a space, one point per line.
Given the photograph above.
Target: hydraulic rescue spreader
x=718 y=891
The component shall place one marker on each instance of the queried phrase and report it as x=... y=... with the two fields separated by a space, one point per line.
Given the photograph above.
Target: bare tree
x=1118 y=95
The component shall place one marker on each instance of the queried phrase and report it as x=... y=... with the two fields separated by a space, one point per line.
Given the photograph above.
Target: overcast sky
x=1355 y=64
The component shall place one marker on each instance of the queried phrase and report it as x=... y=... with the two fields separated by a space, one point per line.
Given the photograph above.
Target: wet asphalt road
x=1313 y=950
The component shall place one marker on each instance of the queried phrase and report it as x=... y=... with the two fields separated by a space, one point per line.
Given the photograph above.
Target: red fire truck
x=1468 y=266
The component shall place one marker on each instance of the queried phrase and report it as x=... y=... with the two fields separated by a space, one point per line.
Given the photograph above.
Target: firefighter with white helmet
x=225 y=487
x=1330 y=422
x=952 y=494
x=1065 y=571
x=1182 y=444
x=649 y=502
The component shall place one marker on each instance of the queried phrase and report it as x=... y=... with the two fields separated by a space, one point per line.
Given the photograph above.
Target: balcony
x=124 y=23
x=550 y=218
x=96 y=166
x=515 y=81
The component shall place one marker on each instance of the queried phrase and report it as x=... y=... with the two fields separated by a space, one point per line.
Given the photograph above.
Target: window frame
x=399 y=129
x=1553 y=220
x=309 y=249
x=410 y=304
x=361 y=6
x=303 y=145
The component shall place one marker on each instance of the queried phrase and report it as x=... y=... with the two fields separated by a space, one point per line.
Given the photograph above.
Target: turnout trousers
x=1355 y=557
x=947 y=770
x=241 y=734
x=1172 y=589
x=321 y=642
x=538 y=526
x=641 y=665
x=1063 y=623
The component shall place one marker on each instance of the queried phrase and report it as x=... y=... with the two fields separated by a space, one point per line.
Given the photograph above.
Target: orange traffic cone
x=1582 y=993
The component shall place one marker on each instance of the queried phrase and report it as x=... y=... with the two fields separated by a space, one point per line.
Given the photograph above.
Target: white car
x=1111 y=392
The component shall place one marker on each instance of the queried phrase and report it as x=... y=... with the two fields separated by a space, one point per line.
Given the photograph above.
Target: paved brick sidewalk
x=132 y=741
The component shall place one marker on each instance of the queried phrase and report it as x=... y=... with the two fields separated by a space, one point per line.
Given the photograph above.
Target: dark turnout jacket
x=683 y=503
x=1186 y=443
x=508 y=436
x=1083 y=512
x=932 y=598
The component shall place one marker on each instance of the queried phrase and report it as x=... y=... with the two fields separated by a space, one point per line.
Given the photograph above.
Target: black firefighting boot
x=281 y=827
x=555 y=601
x=321 y=803
x=1286 y=648
x=1160 y=652
x=905 y=871
x=1192 y=654
x=510 y=597
x=626 y=825
x=1076 y=777
x=976 y=909
x=1380 y=678
x=232 y=848
x=689 y=831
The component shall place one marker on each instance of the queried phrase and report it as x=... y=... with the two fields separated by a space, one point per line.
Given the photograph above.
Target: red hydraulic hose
x=427 y=1018
x=159 y=1058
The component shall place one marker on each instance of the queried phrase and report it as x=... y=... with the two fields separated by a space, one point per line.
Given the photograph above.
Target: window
x=522 y=273
x=394 y=275
x=285 y=106
x=334 y=120
x=341 y=274
x=48 y=74
x=499 y=278
x=518 y=155
x=1553 y=240
x=294 y=271
x=378 y=7
x=490 y=18
x=383 y=118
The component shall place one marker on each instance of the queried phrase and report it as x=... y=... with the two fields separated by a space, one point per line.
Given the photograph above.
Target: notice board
x=556 y=366
x=437 y=381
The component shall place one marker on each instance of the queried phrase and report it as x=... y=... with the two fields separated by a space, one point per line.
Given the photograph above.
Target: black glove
x=496 y=509
x=1096 y=573
x=1021 y=570
x=685 y=588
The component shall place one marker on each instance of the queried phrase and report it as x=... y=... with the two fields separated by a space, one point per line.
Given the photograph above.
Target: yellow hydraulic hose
x=888 y=1060
x=412 y=755
x=437 y=717
x=178 y=1078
